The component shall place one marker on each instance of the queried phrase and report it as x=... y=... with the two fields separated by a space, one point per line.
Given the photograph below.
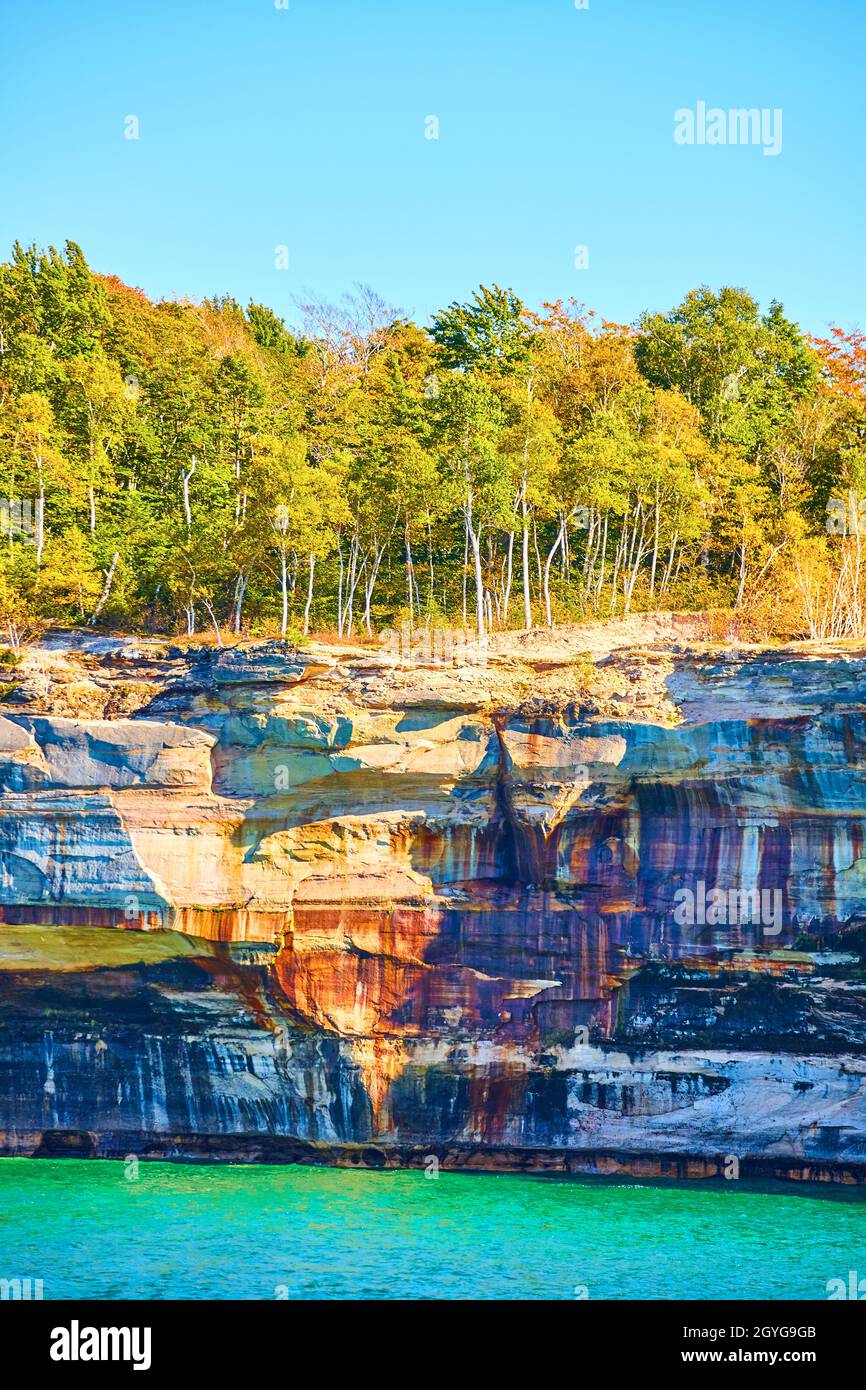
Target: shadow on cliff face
x=794 y=1011
x=186 y=1046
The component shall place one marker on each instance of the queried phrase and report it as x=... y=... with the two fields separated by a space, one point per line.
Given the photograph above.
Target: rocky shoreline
x=280 y=1149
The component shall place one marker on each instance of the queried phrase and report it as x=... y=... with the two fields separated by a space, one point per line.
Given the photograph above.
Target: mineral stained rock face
x=345 y=905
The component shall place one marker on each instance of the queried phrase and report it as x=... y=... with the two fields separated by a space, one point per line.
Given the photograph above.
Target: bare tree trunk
x=560 y=535
x=40 y=518
x=240 y=591
x=591 y=549
x=666 y=577
x=635 y=559
x=309 y=594
x=430 y=561
x=603 y=560
x=410 y=577
x=479 y=578
x=655 y=545
x=186 y=475
x=679 y=564
x=212 y=615
x=506 y=596
x=190 y=606
x=369 y=585
x=340 y=614
x=106 y=588
x=742 y=584
x=620 y=552
x=527 y=593
x=352 y=581
x=284 y=590
x=593 y=544
x=537 y=551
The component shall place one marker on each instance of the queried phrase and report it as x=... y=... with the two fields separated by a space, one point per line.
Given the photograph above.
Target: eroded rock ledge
x=343 y=898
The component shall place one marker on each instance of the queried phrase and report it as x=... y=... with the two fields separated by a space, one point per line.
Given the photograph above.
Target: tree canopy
x=176 y=466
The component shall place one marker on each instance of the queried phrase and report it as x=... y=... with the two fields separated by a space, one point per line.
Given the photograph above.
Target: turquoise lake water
x=184 y=1231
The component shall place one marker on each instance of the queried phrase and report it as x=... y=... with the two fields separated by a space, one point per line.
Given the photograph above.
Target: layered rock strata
x=554 y=909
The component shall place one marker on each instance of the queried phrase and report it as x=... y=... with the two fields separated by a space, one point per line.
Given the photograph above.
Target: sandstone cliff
x=562 y=903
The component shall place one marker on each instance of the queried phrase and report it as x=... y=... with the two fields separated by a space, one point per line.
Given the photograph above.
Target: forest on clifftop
x=183 y=467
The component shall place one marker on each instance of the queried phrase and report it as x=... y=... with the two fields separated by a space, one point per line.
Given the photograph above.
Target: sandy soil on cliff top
x=613 y=669
x=616 y=668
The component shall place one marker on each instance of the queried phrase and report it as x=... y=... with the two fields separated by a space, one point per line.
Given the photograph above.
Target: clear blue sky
x=305 y=127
